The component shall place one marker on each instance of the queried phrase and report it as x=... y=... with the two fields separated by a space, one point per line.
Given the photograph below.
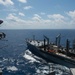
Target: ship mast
x=46 y=39
x=73 y=44
x=67 y=47
x=57 y=42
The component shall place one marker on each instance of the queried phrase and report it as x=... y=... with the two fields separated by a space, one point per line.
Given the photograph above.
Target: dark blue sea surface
x=16 y=59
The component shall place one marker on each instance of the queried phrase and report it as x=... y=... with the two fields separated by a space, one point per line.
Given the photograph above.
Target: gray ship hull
x=51 y=57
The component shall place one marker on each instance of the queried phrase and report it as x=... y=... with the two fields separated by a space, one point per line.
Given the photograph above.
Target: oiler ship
x=53 y=52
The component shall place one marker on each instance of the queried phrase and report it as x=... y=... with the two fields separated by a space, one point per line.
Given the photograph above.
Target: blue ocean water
x=16 y=59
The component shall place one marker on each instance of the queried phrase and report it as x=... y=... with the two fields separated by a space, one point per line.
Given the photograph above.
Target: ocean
x=16 y=59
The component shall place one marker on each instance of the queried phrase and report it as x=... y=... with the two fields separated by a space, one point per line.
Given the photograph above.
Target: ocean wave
x=12 y=68
x=29 y=56
x=44 y=67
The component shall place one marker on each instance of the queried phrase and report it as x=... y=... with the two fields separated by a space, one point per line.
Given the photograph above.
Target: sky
x=37 y=14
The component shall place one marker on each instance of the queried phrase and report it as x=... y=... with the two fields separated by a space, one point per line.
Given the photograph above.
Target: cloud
x=42 y=13
x=54 y=21
x=13 y=18
x=23 y=1
x=71 y=14
x=37 y=17
x=56 y=16
x=57 y=19
x=21 y=14
x=27 y=7
x=14 y=22
x=6 y=2
x=36 y=22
